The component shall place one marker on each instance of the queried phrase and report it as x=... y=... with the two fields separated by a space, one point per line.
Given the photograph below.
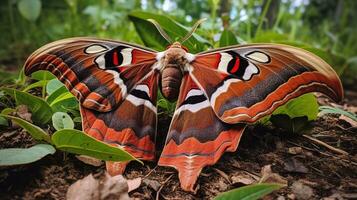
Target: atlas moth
x=217 y=92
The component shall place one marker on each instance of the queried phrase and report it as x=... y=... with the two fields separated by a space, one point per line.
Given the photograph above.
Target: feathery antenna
x=189 y=34
x=167 y=37
x=161 y=31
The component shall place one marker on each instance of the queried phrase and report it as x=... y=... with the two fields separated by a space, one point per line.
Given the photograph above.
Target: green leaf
x=42 y=75
x=227 y=38
x=7 y=111
x=35 y=131
x=19 y=156
x=3 y=121
x=305 y=105
x=53 y=85
x=77 y=142
x=295 y=115
x=250 y=192
x=63 y=102
x=41 y=111
x=152 y=38
x=292 y=125
x=41 y=83
x=61 y=120
x=54 y=95
x=332 y=110
x=29 y=9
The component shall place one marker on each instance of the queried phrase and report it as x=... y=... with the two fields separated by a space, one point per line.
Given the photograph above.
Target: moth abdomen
x=171 y=78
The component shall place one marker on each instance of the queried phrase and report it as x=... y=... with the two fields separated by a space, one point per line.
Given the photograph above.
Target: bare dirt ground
x=311 y=170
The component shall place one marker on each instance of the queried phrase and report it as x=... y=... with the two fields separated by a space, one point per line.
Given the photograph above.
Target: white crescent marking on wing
x=223 y=63
x=95 y=49
x=258 y=56
x=127 y=56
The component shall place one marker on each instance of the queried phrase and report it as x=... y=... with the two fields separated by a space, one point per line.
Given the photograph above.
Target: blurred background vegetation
x=326 y=27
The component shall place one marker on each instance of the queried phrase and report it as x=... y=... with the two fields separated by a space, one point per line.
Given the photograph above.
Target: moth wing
x=100 y=73
x=196 y=137
x=116 y=84
x=245 y=83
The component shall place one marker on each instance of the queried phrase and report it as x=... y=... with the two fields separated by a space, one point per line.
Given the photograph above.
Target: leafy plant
x=334 y=110
x=19 y=156
x=250 y=192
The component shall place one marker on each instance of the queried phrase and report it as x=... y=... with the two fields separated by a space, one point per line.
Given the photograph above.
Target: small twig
x=162 y=186
x=223 y=174
x=323 y=153
x=334 y=149
x=148 y=174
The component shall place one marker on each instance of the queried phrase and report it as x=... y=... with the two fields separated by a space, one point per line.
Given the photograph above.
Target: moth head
x=182 y=40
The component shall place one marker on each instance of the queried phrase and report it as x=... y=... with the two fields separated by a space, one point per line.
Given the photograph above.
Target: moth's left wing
x=196 y=137
x=116 y=84
x=245 y=83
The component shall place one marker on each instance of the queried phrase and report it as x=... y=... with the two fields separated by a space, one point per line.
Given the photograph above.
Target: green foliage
x=250 y=192
x=19 y=156
x=77 y=142
x=295 y=115
x=152 y=38
x=41 y=111
x=334 y=110
x=227 y=38
x=29 y=9
x=53 y=85
x=35 y=131
x=305 y=105
x=61 y=120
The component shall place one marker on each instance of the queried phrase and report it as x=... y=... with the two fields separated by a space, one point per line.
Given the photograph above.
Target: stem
x=262 y=17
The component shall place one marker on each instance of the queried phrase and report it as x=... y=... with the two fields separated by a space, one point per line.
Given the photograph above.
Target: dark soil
x=325 y=172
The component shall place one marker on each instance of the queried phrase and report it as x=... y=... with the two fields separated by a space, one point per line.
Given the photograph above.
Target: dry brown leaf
x=134 y=184
x=109 y=187
x=243 y=178
x=270 y=177
x=294 y=150
x=114 y=187
x=293 y=165
x=86 y=188
x=23 y=112
x=152 y=183
x=90 y=160
x=302 y=191
x=352 y=122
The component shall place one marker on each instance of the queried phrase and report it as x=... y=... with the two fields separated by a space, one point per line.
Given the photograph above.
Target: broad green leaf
x=19 y=156
x=42 y=75
x=3 y=121
x=332 y=110
x=152 y=38
x=41 y=111
x=250 y=192
x=7 y=111
x=53 y=85
x=77 y=142
x=292 y=125
x=227 y=38
x=54 y=95
x=35 y=131
x=305 y=105
x=29 y=9
x=40 y=83
x=64 y=102
x=61 y=120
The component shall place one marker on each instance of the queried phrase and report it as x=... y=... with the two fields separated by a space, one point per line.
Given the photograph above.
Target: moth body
x=173 y=65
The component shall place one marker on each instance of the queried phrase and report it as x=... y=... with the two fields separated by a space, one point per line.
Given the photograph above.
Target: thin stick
x=334 y=149
x=162 y=186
